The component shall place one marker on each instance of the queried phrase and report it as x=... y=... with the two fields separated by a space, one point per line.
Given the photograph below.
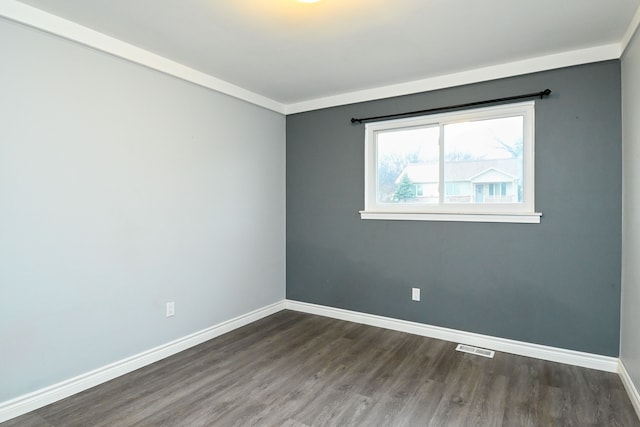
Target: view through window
x=476 y=161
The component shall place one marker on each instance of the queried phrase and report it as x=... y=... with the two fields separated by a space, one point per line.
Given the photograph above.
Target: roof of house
x=469 y=170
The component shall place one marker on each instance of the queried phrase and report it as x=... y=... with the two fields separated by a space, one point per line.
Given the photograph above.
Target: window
x=474 y=165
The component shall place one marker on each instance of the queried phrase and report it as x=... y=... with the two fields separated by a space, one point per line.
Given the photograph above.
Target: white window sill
x=527 y=218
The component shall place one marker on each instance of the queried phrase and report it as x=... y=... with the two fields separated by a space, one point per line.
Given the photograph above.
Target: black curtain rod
x=542 y=94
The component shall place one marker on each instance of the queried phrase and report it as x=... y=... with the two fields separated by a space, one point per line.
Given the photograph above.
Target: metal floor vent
x=476 y=350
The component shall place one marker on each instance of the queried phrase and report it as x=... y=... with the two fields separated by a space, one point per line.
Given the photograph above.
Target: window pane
x=407 y=165
x=483 y=160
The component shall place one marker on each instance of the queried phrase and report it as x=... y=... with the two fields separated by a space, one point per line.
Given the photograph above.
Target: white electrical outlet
x=415 y=294
x=171 y=309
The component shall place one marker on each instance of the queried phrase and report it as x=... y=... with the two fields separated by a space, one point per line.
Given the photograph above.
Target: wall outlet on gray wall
x=415 y=294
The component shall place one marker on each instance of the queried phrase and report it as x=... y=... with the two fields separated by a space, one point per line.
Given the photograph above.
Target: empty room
x=319 y=213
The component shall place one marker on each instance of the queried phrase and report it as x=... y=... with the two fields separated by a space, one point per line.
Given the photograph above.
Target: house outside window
x=475 y=165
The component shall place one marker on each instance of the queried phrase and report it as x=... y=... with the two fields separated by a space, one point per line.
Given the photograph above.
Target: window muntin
x=476 y=161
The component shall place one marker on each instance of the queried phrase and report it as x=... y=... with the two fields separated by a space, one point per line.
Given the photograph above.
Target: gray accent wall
x=556 y=283
x=122 y=188
x=630 y=312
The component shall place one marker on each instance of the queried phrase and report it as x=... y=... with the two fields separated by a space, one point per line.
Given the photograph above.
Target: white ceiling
x=293 y=52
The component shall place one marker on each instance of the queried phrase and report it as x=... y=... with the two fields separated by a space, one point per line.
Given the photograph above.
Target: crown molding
x=631 y=30
x=509 y=69
x=47 y=22
x=30 y=16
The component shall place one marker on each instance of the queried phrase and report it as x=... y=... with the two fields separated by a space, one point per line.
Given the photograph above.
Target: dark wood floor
x=293 y=369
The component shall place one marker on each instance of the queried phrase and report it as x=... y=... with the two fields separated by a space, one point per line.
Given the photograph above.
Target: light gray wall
x=630 y=313
x=122 y=188
x=556 y=283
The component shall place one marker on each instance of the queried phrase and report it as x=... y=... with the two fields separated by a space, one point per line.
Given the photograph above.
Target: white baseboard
x=632 y=390
x=32 y=401
x=553 y=354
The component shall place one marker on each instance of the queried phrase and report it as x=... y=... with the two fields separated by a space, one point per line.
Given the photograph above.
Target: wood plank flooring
x=293 y=369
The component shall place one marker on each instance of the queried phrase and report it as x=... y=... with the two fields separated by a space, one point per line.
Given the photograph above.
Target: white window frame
x=508 y=212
